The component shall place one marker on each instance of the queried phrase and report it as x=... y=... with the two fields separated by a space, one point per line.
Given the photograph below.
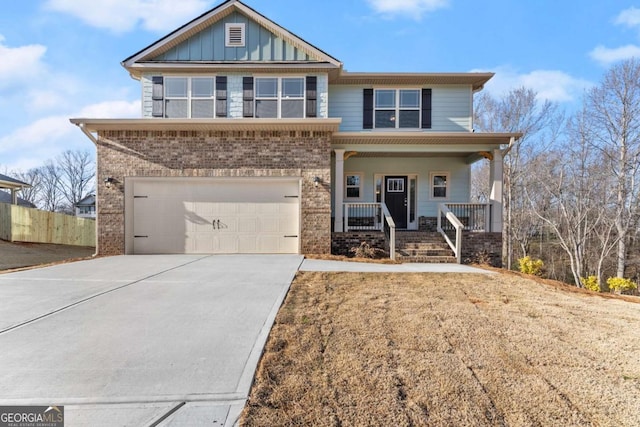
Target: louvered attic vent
x=235 y=35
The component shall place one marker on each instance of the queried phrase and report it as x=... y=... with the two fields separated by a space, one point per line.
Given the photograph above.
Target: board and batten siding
x=234 y=93
x=209 y=45
x=451 y=107
x=459 y=174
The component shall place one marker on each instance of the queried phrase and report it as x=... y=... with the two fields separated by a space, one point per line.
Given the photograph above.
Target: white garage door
x=215 y=216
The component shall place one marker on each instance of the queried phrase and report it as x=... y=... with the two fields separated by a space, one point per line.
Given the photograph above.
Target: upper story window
x=279 y=97
x=397 y=108
x=189 y=97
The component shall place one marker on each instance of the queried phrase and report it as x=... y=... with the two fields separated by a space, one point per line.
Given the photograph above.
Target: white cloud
x=111 y=110
x=414 y=8
x=606 y=56
x=629 y=17
x=19 y=63
x=124 y=15
x=33 y=144
x=552 y=85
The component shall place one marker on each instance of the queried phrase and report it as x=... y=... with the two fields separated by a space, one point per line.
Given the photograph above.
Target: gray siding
x=234 y=97
x=451 y=107
x=209 y=45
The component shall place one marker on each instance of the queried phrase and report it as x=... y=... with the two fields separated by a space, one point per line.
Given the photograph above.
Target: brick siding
x=304 y=155
x=482 y=248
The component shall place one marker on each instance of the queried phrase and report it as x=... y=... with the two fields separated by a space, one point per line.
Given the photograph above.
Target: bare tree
x=518 y=111
x=571 y=178
x=614 y=110
x=51 y=198
x=32 y=177
x=76 y=170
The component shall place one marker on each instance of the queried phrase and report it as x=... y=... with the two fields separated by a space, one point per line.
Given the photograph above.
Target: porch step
x=422 y=246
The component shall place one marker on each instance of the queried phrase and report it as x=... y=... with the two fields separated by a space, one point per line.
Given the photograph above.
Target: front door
x=396 y=199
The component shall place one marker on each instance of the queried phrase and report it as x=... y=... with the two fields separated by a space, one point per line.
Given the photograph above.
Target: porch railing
x=371 y=216
x=389 y=227
x=362 y=216
x=451 y=228
x=473 y=216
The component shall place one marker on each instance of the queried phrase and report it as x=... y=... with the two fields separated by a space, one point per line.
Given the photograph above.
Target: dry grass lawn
x=353 y=349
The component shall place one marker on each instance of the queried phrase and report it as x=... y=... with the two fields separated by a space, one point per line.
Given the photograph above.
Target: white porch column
x=338 y=191
x=14 y=196
x=496 y=183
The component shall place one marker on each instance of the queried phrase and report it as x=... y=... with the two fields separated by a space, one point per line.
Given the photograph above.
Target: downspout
x=512 y=142
x=95 y=142
x=86 y=132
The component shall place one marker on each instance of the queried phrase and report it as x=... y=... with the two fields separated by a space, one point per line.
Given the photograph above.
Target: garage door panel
x=213 y=216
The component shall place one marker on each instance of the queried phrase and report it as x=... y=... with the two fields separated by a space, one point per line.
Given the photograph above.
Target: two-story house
x=253 y=140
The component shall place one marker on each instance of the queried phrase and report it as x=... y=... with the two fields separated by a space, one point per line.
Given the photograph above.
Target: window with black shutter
x=367 y=111
x=221 y=96
x=247 y=96
x=157 y=96
x=312 y=96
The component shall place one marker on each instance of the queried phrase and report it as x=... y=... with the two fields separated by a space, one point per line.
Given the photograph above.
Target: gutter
x=86 y=132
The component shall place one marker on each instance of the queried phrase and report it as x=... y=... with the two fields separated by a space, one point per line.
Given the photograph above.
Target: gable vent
x=234 y=35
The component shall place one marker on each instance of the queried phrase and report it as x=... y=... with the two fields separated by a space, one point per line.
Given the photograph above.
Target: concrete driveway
x=140 y=340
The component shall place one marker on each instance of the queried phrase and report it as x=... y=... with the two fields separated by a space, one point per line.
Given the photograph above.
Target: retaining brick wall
x=304 y=154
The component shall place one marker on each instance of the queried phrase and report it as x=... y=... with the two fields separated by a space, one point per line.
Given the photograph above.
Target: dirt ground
x=20 y=255
x=447 y=349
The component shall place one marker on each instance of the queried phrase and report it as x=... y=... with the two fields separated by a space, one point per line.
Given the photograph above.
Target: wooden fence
x=20 y=224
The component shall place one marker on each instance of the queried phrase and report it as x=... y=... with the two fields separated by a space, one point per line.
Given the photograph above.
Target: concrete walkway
x=140 y=340
x=365 y=267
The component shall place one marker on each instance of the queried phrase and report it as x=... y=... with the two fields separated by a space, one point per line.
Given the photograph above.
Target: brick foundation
x=302 y=154
x=342 y=243
x=482 y=248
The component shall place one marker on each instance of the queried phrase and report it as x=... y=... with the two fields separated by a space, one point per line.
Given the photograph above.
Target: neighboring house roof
x=147 y=58
x=89 y=200
x=12 y=183
x=6 y=198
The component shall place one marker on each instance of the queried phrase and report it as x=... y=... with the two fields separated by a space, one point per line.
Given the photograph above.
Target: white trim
x=447 y=187
x=397 y=108
x=360 y=175
x=411 y=225
x=279 y=97
x=216 y=15
x=189 y=98
x=228 y=28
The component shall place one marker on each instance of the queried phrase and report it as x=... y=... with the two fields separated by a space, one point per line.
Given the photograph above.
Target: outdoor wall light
x=109 y=181
x=316 y=181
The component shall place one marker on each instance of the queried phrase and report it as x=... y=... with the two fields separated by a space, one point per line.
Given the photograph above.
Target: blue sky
x=61 y=58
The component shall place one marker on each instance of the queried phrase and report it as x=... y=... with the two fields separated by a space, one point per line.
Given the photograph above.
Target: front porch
x=413 y=190
x=461 y=233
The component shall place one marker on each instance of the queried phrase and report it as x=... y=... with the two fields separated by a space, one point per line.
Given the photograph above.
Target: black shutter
x=221 y=96
x=426 y=108
x=312 y=96
x=367 y=111
x=247 y=96
x=157 y=96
